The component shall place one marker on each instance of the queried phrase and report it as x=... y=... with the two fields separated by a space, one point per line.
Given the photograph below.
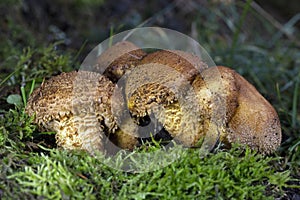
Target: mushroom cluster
x=176 y=89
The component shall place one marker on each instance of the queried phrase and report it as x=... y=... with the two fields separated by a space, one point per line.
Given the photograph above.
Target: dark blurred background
x=88 y=22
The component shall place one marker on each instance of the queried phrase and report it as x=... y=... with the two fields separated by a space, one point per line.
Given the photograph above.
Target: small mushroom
x=77 y=106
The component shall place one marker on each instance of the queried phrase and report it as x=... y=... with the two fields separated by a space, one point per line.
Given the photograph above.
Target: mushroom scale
x=76 y=105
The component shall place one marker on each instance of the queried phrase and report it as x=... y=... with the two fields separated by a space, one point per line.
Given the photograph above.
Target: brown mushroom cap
x=216 y=94
x=162 y=85
x=77 y=106
x=118 y=59
x=255 y=122
x=194 y=60
x=228 y=104
x=186 y=64
x=222 y=85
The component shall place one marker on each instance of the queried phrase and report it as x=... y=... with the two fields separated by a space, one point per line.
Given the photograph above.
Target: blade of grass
x=32 y=87
x=295 y=102
x=23 y=93
x=111 y=33
x=79 y=51
x=8 y=77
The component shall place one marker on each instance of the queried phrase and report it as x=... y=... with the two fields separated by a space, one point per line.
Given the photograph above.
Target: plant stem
x=295 y=102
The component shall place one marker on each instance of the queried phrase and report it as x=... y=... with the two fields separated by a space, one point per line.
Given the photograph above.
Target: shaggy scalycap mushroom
x=77 y=106
x=228 y=103
x=189 y=99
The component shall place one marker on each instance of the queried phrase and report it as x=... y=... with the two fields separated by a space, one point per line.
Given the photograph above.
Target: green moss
x=37 y=63
x=51 y=179
x=15 y=128
x=233 y=174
